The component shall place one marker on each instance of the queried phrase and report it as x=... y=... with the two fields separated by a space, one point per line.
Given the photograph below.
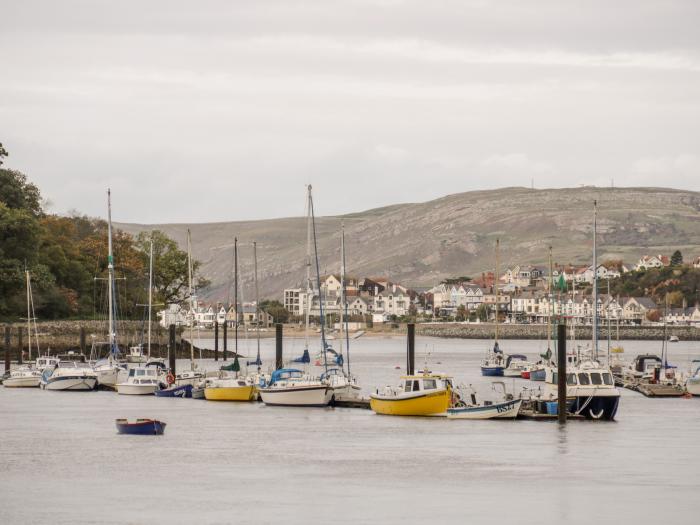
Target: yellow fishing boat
x=230 y=390
x=424 y=394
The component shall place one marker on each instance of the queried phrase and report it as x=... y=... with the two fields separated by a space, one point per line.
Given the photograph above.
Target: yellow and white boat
x=230 y=389
x=424 y=394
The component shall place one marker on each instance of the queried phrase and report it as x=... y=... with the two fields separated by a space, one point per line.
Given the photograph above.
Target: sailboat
x=185 y=381
x=538 y=371
x=107 y=369
x=494 y=362
x=344 y=385
x=236 y=387
x=290 y=386
x=145 y=380
x=26 y=376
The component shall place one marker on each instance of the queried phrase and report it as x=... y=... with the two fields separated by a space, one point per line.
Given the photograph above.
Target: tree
x=461 y=313
x=482 y=312
x=653 y=315
x=3 y=153
x=276 y=309
x=675 y=298
x=677 y=258
x=170 y=276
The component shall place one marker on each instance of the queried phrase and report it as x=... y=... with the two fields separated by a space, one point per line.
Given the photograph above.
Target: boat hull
x=129 y=389
x=525 y=374
x=693 y=386
x=505 y=410
x=145 y=427
x=308 y=396
x=107 y=378
x=21 y=382
x=512 y=373
x=538 y=375
x=492 y=371
x=71 y=383
x=183 y=391
x=432 y=404
x=232 y=393
x=597 y=407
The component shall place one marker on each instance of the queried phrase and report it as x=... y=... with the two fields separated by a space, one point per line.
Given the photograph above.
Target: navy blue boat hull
x=141 y=428
x=538 y=375
x=184 y=391
x=492 y=371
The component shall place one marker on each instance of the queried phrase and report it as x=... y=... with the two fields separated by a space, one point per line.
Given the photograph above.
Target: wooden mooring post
x=216 y=340
x=561 y=372
x=19 y=345
x=82 y=339
x=225 y=339
x=411 y=349
x=8 y=342
x=172 y=351
x=279 y=363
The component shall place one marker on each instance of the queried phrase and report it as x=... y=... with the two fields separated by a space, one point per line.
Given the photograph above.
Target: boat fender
x=170 y=378
x=594 y=415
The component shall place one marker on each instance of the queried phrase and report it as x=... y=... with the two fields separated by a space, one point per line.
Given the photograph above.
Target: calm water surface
x=61 y=460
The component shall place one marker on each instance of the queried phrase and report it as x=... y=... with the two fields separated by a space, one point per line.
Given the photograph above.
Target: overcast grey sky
x=223 y=110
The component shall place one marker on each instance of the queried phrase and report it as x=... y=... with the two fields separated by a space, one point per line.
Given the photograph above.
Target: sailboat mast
x=551 y=302
x=344 y=299
x=193 y=304
x=150 y=294
x=257 y=300
x=318 y=284
x=607 y=315
x=110 y=271
x=495 y=283
x=595 y=280
x=29 y=319
x=309 y=296
x=235 y=290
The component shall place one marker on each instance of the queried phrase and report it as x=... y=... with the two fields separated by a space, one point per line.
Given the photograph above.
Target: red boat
x=525 y=374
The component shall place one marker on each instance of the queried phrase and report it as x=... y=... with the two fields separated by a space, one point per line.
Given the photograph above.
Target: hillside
x=418 y=244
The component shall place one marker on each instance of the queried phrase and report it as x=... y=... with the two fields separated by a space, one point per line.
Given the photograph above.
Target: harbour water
x=61 y=460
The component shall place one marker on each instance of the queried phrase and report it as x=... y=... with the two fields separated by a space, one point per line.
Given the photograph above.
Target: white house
x=173 y=314
x=652 y=261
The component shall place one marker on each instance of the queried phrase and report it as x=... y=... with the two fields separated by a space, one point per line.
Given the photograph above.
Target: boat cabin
x=286 y=374
x=646 y=363
x=601 y=378
x=46 y=361
x=420 y=383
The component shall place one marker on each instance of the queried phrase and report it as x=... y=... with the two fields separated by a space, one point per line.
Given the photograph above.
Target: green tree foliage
x=677 y=258
x=67 y=260
x=657 y=282
x=170 y=277
x=3 y=153
x=276 y=309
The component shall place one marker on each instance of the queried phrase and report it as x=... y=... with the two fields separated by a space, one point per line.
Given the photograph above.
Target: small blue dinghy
x=183 y=391
x=141 y=427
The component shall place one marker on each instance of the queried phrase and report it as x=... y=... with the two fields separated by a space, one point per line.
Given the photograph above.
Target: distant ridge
x=418 y=244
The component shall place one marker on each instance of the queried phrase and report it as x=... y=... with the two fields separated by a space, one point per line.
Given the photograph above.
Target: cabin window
x=407 y=388
x=596 y=379
x=570 y=379
x=429 y=384
x=555 y=378
x=607 y=379
x=583 y=379
x=416 y=385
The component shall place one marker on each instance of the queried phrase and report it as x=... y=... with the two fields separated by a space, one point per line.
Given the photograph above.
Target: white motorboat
x=143 y=380
x=290 y=387
x=469 y=408
x=22 y=377
x=673 y=339
x=515 y=365
x=69 y=375
x=692 y=385
x=136 y=355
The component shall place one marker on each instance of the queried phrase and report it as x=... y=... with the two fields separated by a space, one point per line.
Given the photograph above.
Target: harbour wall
x=538 y=331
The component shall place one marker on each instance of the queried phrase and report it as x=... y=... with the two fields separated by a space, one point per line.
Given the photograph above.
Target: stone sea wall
x=531 y=331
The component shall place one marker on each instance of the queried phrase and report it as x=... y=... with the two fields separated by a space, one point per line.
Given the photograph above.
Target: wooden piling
x=171 y=349
x=8 y=342
x=216 y=340
x=82 y=339
x=561 y=372
x=278 y=347
x=225 y=339
x=411 y=349
x=19 y=345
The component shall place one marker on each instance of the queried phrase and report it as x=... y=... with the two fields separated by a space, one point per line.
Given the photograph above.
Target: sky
x=224 y=110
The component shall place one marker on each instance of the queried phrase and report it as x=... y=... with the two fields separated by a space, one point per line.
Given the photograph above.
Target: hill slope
x=419 y=244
